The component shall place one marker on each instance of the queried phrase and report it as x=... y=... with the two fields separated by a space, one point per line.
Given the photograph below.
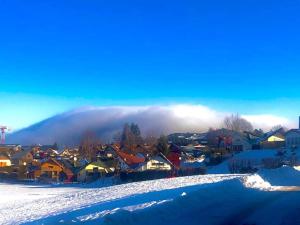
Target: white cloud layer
x=68 y=127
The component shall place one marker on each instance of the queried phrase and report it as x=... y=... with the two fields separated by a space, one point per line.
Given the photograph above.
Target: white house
x=157 y=162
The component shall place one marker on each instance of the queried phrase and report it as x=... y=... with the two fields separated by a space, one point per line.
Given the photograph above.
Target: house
x=69 y=171
x=51 y=152
x=292 y=138
x=53 y=169
x=232 y=140
x=107 y=152
x=23 y=157
x=9 y=149
x=190 y=163
x=194 y=150
x=128 y=162
x=157 y=162
x=4 y=161
x=33 y=171
x=183 y=139
x=174 y=155
x=273 y=139
x=69 y=153
x=44 y=151
x=97 y=169
x=253 y=138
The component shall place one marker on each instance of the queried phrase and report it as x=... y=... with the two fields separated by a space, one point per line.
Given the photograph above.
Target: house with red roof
x=128 y=162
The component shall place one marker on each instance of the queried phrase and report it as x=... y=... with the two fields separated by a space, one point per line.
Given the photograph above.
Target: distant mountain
x=67 y=128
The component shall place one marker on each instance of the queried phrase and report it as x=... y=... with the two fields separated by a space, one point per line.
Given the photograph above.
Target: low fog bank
x=67 y=128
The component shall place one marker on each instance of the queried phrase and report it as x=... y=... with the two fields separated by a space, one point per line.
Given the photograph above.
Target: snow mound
x=257 y=182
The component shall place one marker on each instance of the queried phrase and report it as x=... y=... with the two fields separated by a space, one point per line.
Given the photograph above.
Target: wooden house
x=56 y=170
x=4 y=161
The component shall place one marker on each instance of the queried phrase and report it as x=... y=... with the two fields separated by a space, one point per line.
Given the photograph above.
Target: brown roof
x=3 y=157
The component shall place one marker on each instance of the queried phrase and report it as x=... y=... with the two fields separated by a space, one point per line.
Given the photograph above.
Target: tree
x=278 y=127
x=138 y=140
x=131 y=135
x=258 y=132
x=117 y=137
x=150 y=140
x=127 y=138
x=89 y=146
x=162 y=145
x=135 y=130
x=237 y=123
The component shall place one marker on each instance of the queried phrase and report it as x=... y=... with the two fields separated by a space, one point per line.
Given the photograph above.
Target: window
x=158 y=164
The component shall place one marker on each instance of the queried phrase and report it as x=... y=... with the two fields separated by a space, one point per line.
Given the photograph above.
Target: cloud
x=67 y=128
x=267 y=121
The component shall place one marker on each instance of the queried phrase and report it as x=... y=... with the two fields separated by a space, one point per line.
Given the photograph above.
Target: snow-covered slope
x=205 y=199
x=37 y=204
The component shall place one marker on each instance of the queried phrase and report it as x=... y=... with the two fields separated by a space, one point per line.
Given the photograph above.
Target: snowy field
x=23 y=203
x=269 y=197
x=208 y=199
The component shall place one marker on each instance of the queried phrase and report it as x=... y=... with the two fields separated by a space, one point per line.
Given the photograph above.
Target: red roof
x=129 y=159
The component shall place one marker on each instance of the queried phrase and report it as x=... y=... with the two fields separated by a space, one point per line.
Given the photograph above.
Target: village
x=133 y=158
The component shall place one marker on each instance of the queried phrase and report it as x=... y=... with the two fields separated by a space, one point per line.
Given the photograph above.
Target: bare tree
x=150 y=138
x=89 y=146
x=278 y=127
x=237 y=123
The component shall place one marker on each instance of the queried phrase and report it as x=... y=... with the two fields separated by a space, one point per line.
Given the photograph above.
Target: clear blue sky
x=231 y=55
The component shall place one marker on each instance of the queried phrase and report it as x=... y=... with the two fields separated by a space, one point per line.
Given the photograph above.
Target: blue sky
x=239 y=56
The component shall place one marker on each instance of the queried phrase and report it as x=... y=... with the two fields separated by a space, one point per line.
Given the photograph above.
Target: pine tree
x=127 y=136
x=131 y=135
